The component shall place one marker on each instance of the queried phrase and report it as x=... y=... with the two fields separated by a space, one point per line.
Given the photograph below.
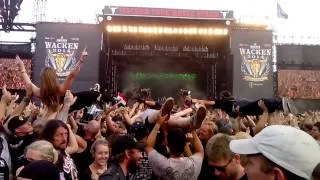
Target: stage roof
x=168 y=13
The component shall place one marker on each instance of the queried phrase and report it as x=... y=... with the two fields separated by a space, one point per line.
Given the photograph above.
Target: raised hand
x=135 y=105
x=220 y=114
x=262 y=106
x=141 y=106
x=162 y=119
x=84 y=54
x=15 y=98
x=69 y=99
x=20 y=64
x=121 y=110
x=248 y=130
x=6 y=95
x=77 y=67
x=79 y=113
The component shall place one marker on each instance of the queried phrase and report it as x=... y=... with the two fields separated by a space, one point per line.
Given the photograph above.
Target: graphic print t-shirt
x=184 y=168
x=69 y=171
x=145 y=170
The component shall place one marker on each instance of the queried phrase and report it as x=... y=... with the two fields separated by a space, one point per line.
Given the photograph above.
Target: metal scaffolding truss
x=39 y=10
x=9 y=10
x=22 y=27
x=283 y=39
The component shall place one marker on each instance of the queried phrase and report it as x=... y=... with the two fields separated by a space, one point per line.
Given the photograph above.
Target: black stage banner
x=252 y=63
x=59 y=45
x=168 y=13
x=13 y=49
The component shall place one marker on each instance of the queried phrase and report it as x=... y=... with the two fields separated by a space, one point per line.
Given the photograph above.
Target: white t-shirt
x=184 y=168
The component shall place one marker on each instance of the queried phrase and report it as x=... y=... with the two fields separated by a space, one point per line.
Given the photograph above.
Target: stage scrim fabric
x=252 y=63
x=307 y=81
x=59 y=45
x=10 y=74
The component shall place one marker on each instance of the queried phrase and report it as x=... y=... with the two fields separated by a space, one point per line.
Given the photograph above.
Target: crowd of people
x=182 y=139
x=10 y=74
x=307 y=82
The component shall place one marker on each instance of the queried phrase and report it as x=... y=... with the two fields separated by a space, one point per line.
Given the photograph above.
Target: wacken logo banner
x=255 y=66
x=61 y=54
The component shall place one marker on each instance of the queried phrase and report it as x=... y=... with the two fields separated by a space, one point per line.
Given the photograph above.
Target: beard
x=133 y=166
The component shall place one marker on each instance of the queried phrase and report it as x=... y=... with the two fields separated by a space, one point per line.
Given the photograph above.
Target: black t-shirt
x=17 y=146
x=86 y=175
x=4 y=168
x=67 y=167
x=83 y=159
x=80 y=130
x=145 y=170
x=244 y=177
x=206 y=171
x=113 y=173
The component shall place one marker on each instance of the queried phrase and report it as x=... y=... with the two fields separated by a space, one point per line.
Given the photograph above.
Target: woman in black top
x=100 y=154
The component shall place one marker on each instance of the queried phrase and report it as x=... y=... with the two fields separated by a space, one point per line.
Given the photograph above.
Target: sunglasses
x=221 y=168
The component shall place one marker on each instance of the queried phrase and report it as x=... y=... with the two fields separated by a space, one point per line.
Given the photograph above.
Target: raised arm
x=204 y=102
x=133 y=109
x=263 y=121
x=24 y=103
x=73 y=124
x=198 y=148
x=82 y=144
x=151 y=141
x=68 y=101
x=73 y=144
x=11 y=106
x=5 y=99
x=26 y=78
x=74 y=73
x=126 y=117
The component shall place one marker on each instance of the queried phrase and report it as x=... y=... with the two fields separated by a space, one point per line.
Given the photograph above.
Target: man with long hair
x=64 y=141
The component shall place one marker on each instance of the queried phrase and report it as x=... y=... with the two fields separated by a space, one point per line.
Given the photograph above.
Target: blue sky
x=302 y=13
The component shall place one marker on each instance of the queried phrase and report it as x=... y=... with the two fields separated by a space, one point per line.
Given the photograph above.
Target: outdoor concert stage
x=166 y=49
x=162 y=49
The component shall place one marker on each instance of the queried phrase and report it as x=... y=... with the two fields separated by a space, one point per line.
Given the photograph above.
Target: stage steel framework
x=132 y=15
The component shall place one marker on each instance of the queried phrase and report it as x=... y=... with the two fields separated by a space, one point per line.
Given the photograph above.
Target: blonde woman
x=100 y=154
x=50 y=89
x=39 y=150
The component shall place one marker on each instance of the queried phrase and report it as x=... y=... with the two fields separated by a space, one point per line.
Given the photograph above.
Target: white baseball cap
x=288 y=147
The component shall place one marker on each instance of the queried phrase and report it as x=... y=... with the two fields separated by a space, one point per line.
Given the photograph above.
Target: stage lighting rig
x=167 y=30
x=8 y=11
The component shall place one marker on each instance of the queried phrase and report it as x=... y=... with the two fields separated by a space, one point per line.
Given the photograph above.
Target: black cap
x=138 y=130
x=16 y=122
x=39 y=170
x=125 y=142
